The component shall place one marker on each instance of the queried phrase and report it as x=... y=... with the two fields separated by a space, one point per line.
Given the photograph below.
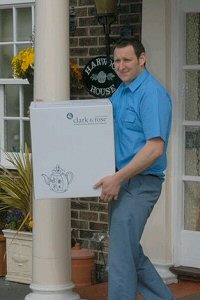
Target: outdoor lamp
x=106 y=15
x=105 y=7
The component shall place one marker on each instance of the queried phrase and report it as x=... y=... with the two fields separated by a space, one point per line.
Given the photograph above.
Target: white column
x=157 y=238
x=52 y=228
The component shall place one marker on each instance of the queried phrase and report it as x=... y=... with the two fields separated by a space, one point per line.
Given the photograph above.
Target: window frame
x=15 y=2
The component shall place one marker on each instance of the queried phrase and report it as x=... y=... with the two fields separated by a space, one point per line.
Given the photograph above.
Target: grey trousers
x=130 y=271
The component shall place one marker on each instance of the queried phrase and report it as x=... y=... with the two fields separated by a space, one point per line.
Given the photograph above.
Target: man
x=142 y=121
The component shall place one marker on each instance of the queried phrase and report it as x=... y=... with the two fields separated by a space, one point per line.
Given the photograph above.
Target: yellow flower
x=23 y=63
x=75 y=69
x=30 y=224
x=75 y=76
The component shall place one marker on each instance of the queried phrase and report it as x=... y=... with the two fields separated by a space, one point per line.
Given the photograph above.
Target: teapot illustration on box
x=59 y=179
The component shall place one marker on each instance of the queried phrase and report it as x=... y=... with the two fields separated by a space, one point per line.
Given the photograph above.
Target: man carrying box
x=142 y=120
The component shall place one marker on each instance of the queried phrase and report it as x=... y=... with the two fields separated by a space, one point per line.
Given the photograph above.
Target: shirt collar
x=138 y=81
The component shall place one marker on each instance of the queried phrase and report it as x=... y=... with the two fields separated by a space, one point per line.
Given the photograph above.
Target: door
x=186 y=84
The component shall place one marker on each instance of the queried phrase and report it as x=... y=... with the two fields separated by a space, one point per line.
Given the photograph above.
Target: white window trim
x=13 y=81
x=13 y=2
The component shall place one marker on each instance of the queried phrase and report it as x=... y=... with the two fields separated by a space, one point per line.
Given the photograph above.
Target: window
x=192 y=123
x=16 y=32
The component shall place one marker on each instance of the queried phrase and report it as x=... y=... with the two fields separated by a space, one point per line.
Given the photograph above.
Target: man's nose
x=120 y=65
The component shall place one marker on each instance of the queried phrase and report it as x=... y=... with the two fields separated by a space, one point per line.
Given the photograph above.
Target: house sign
x=100 y=78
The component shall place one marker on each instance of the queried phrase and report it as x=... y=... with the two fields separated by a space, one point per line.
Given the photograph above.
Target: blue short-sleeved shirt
x=142 y=111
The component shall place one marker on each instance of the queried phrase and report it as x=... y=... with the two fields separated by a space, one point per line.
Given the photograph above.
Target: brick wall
x=88 y=40
x=89 y=216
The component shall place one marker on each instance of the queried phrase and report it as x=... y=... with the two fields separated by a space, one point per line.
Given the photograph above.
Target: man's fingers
x=108 y=198
x=98 y=184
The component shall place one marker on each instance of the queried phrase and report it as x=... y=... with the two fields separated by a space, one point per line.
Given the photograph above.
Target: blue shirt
x=142 y=111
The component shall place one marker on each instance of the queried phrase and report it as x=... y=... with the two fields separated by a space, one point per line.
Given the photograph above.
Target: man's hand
x=110 y=187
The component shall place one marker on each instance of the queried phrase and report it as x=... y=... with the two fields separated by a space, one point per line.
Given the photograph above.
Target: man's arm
x=152 y=150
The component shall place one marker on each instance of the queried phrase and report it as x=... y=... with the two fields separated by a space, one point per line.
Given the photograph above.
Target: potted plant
x=16 y=201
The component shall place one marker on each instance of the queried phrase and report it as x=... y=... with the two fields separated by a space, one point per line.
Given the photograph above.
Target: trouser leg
x=150 y=284
x=129 y=268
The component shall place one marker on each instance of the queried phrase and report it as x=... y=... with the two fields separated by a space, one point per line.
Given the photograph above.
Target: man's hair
x=130 y=41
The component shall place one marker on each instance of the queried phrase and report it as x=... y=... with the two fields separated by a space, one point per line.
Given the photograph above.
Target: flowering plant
x=75 y=76
x=23 y=67
x=16 y=191
x=23 y=63
x=15 y=218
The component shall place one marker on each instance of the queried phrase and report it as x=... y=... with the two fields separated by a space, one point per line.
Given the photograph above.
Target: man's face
x=127 y=65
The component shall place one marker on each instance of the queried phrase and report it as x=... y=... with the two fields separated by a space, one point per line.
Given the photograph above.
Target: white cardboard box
x=72 y=147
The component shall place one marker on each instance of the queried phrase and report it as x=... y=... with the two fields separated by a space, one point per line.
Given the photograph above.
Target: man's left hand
x=110 y=187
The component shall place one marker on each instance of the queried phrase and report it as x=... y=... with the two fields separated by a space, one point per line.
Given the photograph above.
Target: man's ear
x=142 y=59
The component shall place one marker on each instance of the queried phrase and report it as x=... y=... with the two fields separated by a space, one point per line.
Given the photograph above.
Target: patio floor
x=185 y=290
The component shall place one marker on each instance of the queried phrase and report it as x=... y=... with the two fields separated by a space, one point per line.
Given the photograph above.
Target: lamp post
x=106 y=15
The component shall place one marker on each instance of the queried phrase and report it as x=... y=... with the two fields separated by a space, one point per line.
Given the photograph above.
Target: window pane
x=23 y=46
x=11 y=101
x=12 y=136
x=192 y=206
x=6 y=55
x=27 y=134
x=6 y=25
x=24 y=28
x=192 y=151
x=192 y=95
x=193 y=38
x=28 y=97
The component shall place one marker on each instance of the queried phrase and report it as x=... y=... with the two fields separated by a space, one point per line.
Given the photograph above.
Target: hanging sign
x=100 y=78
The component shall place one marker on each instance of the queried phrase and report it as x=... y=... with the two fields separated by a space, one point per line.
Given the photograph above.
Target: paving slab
x=12 y=290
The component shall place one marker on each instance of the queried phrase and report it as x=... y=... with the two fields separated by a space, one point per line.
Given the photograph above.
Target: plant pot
x=83 y=266
x=2 y=255
x=18 y=255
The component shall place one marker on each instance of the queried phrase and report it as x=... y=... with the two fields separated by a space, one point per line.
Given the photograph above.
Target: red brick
x=78 y=51
x=98 y=226
x=87 y=21
x=81 y=12
x=90 y=216
x=97 y=51
x=87 y=41
x=96 y=31
x=73 y=42
x=73 y=2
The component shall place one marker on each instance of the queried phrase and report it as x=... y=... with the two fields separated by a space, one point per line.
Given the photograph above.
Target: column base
x=43 y=293
x=165 y=273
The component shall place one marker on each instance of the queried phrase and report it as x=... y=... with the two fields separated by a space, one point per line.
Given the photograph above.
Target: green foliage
x=16 y=187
